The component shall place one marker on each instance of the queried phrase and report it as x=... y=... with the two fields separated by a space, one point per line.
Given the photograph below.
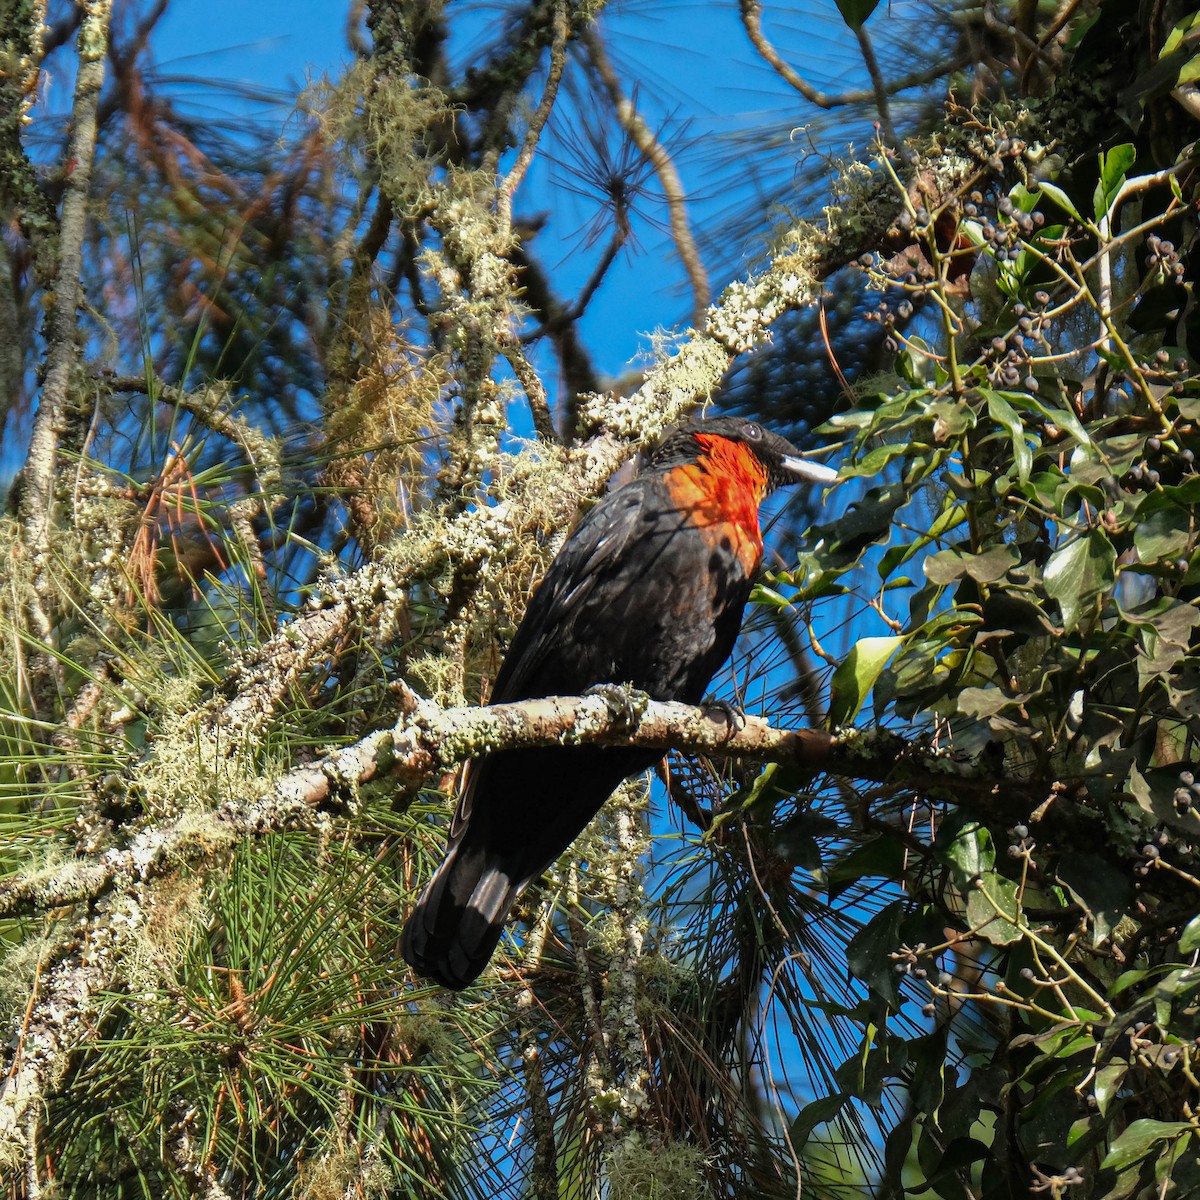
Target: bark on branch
x=429 y=738
x=62 y=334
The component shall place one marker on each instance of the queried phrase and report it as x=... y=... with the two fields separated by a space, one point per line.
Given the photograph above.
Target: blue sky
x=707 y=97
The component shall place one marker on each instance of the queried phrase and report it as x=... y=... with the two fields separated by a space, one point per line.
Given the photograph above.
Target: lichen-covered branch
x=22 y=197
x=63 y=346
x=429 y=738
x=62 y=1018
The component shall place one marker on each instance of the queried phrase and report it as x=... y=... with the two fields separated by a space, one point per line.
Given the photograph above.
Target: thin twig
x=207 y=406
x=509 y=344
x=558 y=61
x=751 y=11
x=664 y=166
x=879 y=86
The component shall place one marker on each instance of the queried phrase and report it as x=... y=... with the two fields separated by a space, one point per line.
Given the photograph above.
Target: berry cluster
x=907 y=961
x=1011 y=355
x=1163 y=463
x=1163 y=371
x=1004 y=235
x=1164 y=255
x=908 y=272
x=1022 y=844
x=1151 y=852
x=1003 y=144
x=1146 y=1046
x=1187 y=794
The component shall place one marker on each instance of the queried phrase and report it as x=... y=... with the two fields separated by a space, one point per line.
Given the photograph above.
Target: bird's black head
x=780 y=458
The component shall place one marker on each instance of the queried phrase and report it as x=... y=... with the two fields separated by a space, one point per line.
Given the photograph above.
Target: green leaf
x=947 y=566
x=819 y=1112
x=1078 y=573
x=867 y=954
x=764 y=790
x=882 y=857
x=1189 y=939
x=768 y=596
x=865 y=521
x=1108 y=1083
x=771 y=785
x=1139 y=1139
x=1003 y=414
x=1103 y=891
x=1177 y=35
x=994 y=910
x=1060 y=198
x=1162 y=530
x=864 y=1075
x=950 y=517
x=1062 y=417
x=855 y=12
x=856 y=676
x=967 y=848
x=1113 y=167
x=873 y=463
x=1127 y=979
x=982 y=703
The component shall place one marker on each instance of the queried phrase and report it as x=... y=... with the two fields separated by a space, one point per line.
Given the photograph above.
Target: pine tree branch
x=430 y=738
x=426 y=739
x=664 y=166
x=64 y=1017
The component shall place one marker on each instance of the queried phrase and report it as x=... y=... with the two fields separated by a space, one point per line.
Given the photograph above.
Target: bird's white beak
x=808 y=472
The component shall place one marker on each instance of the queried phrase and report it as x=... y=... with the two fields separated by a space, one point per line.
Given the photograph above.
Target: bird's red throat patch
x=721 y=493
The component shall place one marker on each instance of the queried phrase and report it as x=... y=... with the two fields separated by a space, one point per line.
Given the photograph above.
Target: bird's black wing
x=587 y=594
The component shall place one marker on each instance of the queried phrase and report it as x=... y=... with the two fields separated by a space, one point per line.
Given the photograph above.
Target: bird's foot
x=735 y=717
x=624 y=701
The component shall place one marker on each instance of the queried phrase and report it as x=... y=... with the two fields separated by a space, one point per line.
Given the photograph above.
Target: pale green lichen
x=174 y=912
x=20 y=967
x=638 y=1170
x=675 y=387
x=384 y=118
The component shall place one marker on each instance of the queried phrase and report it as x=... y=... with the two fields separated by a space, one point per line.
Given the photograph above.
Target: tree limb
x=752 y=19
x=63 y=353
x=429 y=738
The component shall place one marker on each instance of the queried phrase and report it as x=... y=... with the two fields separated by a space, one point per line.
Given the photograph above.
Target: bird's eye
x=752 y=432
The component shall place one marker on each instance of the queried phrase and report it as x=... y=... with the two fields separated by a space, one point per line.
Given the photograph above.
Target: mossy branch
x=62 y=331
x=430 y=738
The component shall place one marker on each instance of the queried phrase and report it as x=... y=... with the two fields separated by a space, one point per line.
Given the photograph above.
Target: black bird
x=648 y=591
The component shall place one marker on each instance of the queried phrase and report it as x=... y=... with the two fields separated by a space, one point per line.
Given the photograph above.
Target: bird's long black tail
x=457 y=923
